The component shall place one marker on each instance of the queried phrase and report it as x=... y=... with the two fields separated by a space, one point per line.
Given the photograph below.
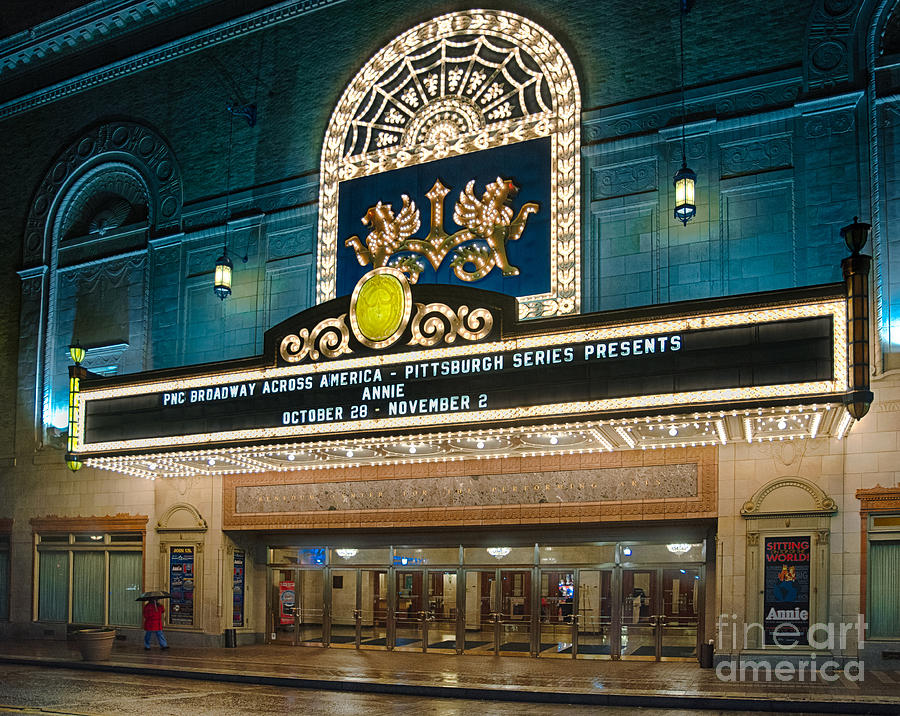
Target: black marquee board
x=429 y=387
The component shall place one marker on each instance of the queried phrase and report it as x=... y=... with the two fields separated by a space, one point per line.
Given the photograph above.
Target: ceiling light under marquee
x=679 y=548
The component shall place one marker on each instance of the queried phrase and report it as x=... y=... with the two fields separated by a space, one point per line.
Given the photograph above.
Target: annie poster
x=786 y=602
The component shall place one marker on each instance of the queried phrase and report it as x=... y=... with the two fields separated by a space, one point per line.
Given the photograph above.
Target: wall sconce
x=76 y=353
x=856 y=278
x=76 y=373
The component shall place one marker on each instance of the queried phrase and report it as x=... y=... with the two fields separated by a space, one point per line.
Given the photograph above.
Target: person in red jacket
x=153 y=613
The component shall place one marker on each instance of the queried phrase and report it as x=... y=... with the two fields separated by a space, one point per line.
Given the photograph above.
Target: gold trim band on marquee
x=446 y=108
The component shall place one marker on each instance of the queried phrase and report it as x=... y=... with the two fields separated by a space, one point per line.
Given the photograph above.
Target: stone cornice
x=176 y=49
x=97 y=22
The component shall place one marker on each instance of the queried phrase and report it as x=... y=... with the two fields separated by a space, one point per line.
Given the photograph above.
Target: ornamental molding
x=114 y=272
x=758 y=155
x=174 y=50
x=828 y=124
x=783 y=506
x=98 y=22
x=107 y=523
x=878 y=498
x=610 y=181
x=433 y=93
x=181 y=517
x=830 y=43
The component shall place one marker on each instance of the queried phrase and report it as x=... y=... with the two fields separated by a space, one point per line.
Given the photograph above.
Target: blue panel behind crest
x=526 y=163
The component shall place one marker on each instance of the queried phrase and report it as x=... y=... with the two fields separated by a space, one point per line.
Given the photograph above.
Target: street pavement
x=348 y=673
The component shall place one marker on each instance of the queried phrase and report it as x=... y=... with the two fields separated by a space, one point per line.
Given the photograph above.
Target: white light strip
x=844 y=425
x=454 y=446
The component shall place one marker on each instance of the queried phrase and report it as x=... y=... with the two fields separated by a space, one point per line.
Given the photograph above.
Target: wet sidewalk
x=602 y=683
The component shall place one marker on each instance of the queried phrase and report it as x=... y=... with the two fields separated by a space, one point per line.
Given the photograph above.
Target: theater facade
x=432 y=354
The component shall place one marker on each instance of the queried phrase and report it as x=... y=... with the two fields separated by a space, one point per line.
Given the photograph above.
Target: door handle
x=654 y=621
x=663 y=620
x=357 y=614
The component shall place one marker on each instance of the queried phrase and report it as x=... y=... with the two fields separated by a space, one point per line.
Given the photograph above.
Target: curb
x=668 y=701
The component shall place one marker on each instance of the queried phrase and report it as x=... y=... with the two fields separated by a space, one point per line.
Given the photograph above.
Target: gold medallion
x=380 y=307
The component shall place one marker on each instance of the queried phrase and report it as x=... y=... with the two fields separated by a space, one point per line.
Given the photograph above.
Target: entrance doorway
x=554 y=607
x=299 y=616
x=660 y=613
x=359 y=608
x=425 y=616
x=576 y=612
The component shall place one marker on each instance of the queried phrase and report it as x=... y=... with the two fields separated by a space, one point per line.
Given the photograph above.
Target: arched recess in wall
x=84 y=254
x=788 y=522
x=459 y=83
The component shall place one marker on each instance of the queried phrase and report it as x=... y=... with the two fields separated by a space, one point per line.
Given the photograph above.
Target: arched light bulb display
x=499 y=552
x=346 y=552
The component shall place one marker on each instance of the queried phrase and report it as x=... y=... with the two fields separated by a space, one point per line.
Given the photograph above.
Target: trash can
x=230 y=638
x=706 y=655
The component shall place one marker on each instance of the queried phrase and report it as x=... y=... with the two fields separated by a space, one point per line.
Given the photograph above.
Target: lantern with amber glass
x=222 y=285
x=685 y=205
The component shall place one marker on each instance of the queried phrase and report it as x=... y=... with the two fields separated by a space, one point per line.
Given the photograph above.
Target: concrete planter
x=95 y=644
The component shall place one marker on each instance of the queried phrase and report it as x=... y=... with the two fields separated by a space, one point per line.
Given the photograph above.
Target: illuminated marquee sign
x=436 y=374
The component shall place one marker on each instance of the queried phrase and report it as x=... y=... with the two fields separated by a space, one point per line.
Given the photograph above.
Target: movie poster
x=181 y=585
x=786 y=603
x=237 y=616
x=286 y=601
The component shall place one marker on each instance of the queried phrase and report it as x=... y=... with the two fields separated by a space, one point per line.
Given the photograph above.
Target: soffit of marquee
x=460 y=83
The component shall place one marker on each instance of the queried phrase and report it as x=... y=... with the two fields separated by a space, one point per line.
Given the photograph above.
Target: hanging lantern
x=685 y=205
x=222 y=285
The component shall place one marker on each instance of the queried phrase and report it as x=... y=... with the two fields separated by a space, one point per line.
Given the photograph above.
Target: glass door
x=481 y=611
x=346 y=616
x=639 y=613
x=310 y=607
x=593 y=617
x=409 y=612
x=373 y=608
x=515 y=613
x=680 y=615
x=282 y=603
x=440 y=626
x=557 y=616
